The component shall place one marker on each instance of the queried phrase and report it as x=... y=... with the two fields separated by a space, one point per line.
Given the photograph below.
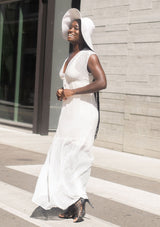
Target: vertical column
x=18 y=65
x=1 y=37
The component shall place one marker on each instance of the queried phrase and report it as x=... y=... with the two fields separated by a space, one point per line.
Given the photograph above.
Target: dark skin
x=94 y=66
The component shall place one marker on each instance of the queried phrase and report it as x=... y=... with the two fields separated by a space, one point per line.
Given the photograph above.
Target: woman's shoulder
x=88 y=52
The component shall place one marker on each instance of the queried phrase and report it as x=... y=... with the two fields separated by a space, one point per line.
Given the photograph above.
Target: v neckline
x=69 y=62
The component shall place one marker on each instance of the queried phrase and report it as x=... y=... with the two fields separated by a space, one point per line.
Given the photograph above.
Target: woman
x=63 y=177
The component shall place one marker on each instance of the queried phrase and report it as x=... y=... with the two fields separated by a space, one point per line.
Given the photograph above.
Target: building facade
x=127 y=41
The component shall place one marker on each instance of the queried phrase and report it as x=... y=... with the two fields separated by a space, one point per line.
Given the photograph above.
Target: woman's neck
x=77 y=48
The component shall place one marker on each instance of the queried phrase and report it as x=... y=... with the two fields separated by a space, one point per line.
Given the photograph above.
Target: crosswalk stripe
x=133 y=197
x=21 y=215
x=131 y=164
x=129 y=196
x=33 y=170
x=19 y=202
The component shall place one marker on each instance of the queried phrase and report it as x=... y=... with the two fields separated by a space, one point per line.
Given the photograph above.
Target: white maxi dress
x=65 y=173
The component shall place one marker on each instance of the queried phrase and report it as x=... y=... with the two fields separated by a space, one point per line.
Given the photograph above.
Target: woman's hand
x=63 y=94
x=60 y=94
x=68 y=93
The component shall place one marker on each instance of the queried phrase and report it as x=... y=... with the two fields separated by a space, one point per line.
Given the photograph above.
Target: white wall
x=127 y=41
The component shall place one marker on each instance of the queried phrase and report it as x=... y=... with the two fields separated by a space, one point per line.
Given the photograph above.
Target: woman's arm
x=99 y=82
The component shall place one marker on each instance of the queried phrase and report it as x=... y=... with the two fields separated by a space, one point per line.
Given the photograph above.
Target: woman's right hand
x=60 y=94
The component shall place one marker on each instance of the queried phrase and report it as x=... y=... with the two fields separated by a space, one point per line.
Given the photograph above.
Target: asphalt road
x=119 y=199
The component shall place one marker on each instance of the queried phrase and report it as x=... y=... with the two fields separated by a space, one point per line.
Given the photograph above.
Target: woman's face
x=74 y=33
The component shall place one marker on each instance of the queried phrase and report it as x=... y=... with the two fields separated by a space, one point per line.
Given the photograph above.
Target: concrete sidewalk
x=135 y=165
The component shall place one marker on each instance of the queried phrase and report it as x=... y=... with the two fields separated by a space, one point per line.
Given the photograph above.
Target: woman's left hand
x=68 y=93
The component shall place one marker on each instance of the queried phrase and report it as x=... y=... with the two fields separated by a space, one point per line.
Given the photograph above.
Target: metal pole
x=1 y=38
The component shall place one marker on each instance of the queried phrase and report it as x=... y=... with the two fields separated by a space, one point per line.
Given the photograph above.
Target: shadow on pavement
x=52 y=214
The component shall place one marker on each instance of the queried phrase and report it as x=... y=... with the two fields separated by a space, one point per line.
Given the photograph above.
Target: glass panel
x=28 y=61
x=18 y=41
x=8 y=60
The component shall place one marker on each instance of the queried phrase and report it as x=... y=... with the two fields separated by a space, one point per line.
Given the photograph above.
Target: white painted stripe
x=22 y=215
x=19 y=202
x=129 y=196
x=133 y=197
x=131 y=164
x=29 y=169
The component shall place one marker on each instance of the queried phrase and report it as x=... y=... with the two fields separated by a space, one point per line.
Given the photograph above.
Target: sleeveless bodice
x=76 y=74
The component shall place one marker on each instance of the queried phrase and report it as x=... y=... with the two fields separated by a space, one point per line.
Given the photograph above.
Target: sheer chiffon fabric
x=65 y=173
